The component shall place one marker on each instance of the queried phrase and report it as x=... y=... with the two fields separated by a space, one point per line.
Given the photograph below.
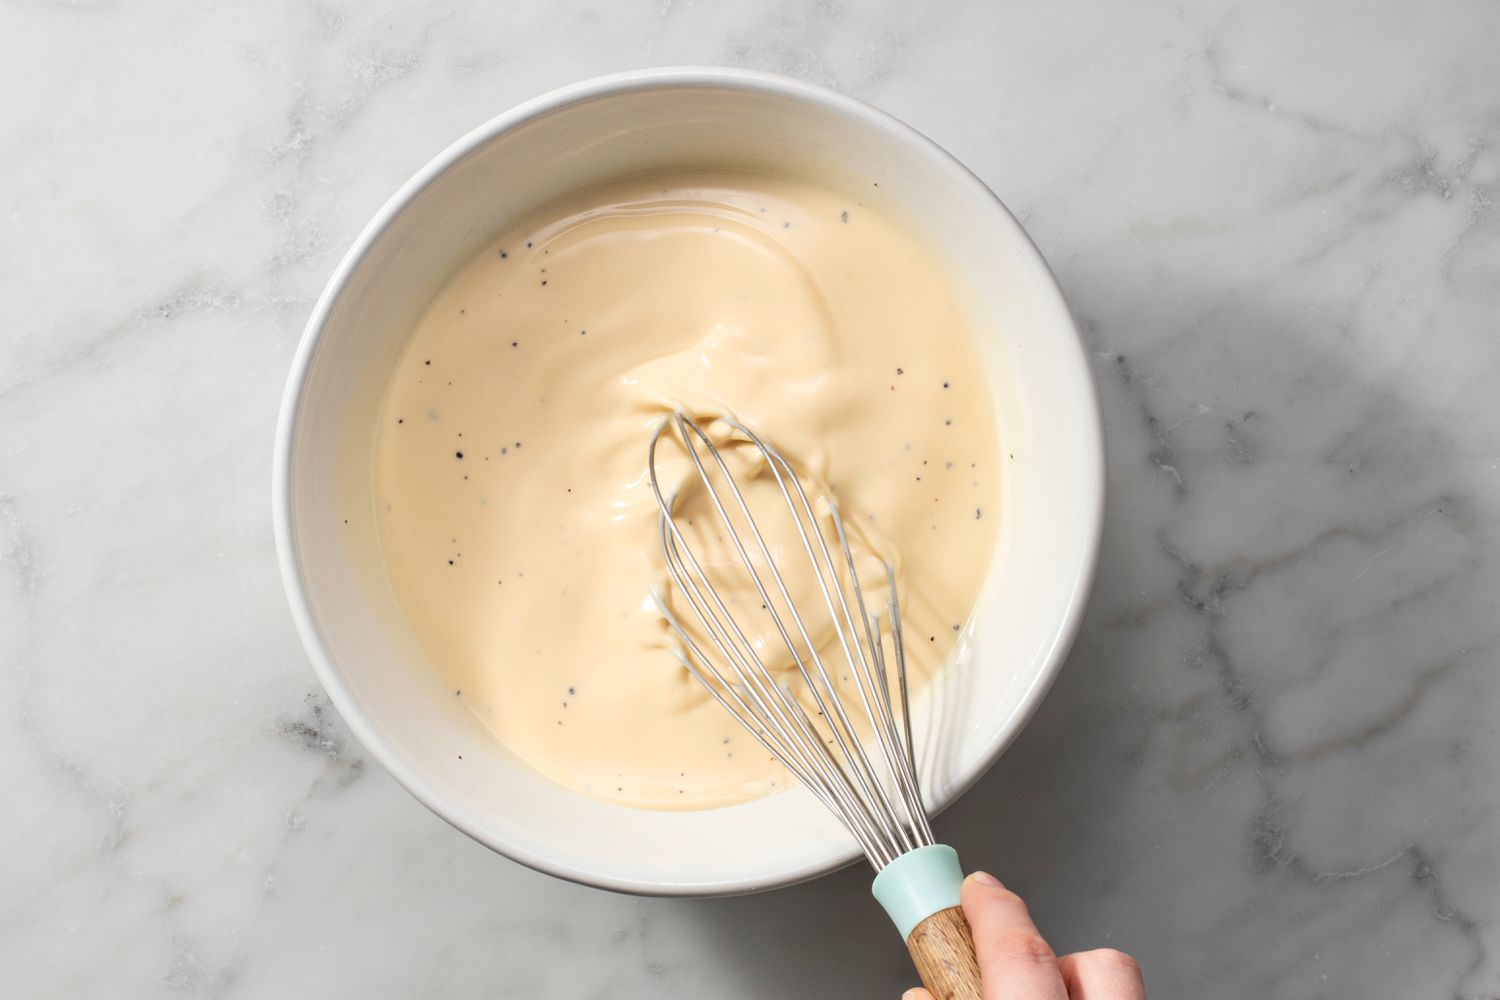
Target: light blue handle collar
x=918 y=884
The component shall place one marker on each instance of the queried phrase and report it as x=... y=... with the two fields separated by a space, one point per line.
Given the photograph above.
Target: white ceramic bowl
x=364 y=653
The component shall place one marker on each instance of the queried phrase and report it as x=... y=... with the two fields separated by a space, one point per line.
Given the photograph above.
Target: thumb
x=916 y=993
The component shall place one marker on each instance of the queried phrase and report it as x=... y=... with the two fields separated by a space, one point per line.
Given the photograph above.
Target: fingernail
x=985 y=879
x=911 y=994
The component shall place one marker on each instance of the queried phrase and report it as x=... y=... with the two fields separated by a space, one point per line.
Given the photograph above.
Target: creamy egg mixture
x=517 y=525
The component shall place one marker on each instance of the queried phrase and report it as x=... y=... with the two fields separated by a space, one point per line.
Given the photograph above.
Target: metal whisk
x=874 y=791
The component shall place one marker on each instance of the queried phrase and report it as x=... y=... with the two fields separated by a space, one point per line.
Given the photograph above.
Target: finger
x=1102 y=974
x=916 y=993
x=1014 y=959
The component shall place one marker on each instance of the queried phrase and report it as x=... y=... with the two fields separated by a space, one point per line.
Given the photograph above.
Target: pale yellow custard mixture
x=516 y=521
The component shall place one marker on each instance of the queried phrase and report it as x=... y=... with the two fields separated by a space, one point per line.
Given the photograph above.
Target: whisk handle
x=920 y=890
x=942 y=948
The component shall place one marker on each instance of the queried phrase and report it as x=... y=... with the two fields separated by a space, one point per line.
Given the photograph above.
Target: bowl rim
x=290 y=415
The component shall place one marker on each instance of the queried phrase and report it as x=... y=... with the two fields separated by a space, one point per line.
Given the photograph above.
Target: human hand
x=1016 y=963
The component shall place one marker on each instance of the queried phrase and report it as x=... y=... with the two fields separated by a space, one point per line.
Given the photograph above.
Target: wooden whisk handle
x=942 y=947
x=920 y=890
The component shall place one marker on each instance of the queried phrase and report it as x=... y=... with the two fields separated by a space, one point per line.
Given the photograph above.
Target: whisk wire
x=866 y=673
x=883 y=810
x=859 y=665
x=779 y=712
x=776 y=705
x=898 y=643
x=838 y=721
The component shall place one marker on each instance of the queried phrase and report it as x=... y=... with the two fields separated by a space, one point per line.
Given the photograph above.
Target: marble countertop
x=1269 y=766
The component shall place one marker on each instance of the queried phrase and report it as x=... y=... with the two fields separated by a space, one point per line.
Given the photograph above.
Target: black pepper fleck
x=978 y=513
x=504 y=255
x=544 y=282
x=843 y=216
x=400 y=420
x=458 y=454
x=515 y=343
x=528 y=244
x=900 y=371
x=427 y=362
